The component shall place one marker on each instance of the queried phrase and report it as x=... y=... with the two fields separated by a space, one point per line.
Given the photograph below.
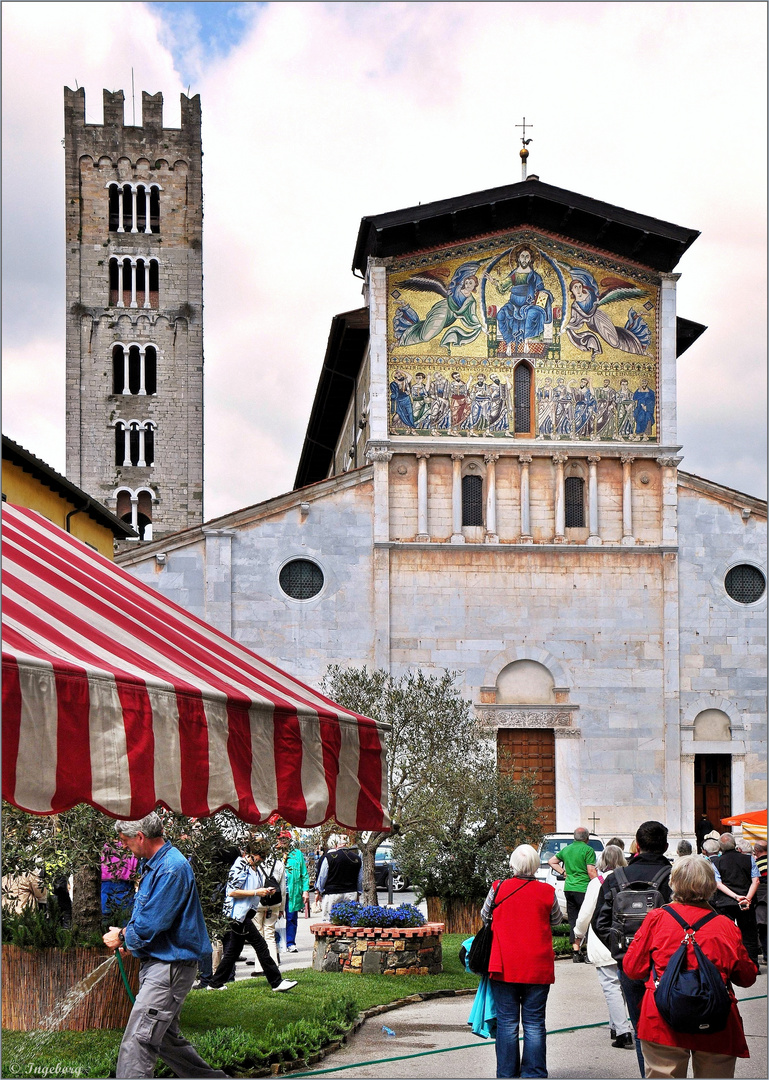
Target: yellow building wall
x=23 y=489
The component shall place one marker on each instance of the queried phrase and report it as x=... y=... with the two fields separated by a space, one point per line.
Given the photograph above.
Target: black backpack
x=694 y=1002
x=632 y=903
x=274 y=899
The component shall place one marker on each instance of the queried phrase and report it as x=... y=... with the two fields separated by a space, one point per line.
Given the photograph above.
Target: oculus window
x=301 y=579
x=745 y=583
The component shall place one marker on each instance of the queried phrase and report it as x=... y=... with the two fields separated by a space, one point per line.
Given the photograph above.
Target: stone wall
x=377 y=951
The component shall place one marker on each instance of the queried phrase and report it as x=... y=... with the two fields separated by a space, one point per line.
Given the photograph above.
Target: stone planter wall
x=374 y=950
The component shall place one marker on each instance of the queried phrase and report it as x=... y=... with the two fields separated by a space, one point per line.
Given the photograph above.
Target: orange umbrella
x=753 y=824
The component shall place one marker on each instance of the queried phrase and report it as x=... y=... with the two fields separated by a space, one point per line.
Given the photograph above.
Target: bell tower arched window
x=134 y=443
x=134 y=282
x=134 y=208
x=134 y=369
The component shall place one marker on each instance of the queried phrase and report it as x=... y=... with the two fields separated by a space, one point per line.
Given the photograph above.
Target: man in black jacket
x=341 y=875
x=737 y=881
x=652 y=842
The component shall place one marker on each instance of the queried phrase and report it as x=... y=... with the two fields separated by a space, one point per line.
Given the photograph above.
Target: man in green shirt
x=577 y=861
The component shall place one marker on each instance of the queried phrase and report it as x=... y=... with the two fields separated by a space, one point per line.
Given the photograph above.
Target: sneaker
x=291 y=948
x=623 y=1042
x=209 y=987
x=287 y=984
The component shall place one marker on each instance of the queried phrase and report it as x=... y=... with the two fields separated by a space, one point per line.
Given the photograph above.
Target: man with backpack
x=627 y=896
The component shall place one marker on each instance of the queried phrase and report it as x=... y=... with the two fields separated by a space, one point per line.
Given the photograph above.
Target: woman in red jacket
x=667 y=1052
x=521 y=969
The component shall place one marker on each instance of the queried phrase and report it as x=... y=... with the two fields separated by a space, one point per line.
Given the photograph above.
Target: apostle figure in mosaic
x=479 y=405
x=588 y=324
x=585 y=405
x=643 y=413
x=460 y=402
x=546 y=410
x=455 y=312
x=564 y=410
x=530 y=304
x=606 y=410
x=400 y=399
x=499 y=404
x=420 y=403
x=438 y=395
x=624 y=411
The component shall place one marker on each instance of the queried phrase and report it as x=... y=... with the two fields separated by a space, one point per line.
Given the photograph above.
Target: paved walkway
x=575 y=998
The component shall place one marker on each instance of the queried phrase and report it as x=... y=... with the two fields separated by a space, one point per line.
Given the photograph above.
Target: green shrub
x=36 y=928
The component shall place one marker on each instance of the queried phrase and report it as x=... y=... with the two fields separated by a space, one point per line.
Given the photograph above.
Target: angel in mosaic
x=588 y=323
x=455 y=312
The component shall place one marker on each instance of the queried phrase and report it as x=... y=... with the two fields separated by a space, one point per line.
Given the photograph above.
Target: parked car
x=551 y=845
x=383 y=859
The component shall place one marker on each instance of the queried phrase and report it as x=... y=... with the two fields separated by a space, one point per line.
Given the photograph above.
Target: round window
x=745 y=583
x=301 y=579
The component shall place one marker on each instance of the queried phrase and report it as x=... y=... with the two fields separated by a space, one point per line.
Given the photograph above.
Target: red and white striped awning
x=115 y=696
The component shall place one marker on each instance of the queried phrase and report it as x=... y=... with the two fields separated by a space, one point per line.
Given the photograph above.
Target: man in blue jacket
x=168 y=934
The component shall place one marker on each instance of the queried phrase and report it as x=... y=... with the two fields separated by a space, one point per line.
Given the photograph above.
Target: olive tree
x=446 y=793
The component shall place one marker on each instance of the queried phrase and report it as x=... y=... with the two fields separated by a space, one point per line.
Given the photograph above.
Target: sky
x=318 y=114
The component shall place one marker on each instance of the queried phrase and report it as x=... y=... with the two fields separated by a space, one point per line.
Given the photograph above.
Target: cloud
x=321 y=113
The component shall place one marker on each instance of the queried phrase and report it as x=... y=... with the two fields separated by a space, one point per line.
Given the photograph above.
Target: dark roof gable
x=647 y=240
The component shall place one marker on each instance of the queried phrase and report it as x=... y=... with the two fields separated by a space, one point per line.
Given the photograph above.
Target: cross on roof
x=524 y=140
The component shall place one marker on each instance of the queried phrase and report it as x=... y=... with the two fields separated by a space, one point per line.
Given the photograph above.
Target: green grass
x=246 y=1025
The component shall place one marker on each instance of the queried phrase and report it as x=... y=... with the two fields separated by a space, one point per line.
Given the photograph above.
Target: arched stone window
x=134 y=208
x=574 y=502
x=135 y=508
x=522 y=399
x=134 y=443
x=712 y=725
x=472 y=500
x=134 y=369
x=134 y=282
x=525 y=682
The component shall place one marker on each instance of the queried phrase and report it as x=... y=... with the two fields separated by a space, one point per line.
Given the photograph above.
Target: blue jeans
x=525 y=1002
x=292 y=921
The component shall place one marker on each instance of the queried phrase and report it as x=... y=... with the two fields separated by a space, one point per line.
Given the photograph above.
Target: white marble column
x=120 y=282
x=526 y=535
x=147 y=220
x=126 y=371
x=491 y=498
x=135 y=513
x=133 y=283
x=422 y=533
x=559 y=460
x=127 y=445
x=457 y=536
x=142 y=371
x=134 y=208
x=141 y=463
x=627 y=500
x=592 y=499
x=146 y=283
x=120 y=209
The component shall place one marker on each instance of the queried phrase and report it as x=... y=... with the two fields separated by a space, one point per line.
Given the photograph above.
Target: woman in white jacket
x=599 y=955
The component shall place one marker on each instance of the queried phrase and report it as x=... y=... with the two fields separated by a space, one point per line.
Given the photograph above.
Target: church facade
x=490 y=484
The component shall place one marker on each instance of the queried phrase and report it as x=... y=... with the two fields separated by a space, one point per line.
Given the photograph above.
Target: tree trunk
x=369 y=882
x=86 y=898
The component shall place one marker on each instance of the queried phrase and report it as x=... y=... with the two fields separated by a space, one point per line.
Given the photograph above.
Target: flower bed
x=377 y=950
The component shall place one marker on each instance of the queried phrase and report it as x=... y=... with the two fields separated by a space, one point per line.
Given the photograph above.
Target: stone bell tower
x=134 y=223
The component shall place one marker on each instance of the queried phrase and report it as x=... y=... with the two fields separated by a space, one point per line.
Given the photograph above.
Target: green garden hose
x=125 y=977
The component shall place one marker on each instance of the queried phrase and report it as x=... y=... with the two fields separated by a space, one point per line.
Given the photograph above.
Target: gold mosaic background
x=469 y=327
